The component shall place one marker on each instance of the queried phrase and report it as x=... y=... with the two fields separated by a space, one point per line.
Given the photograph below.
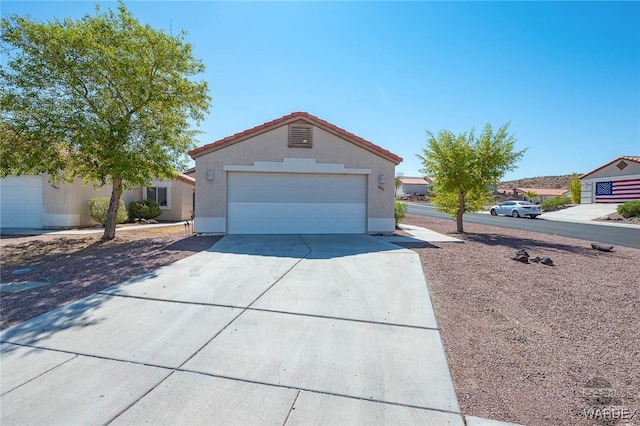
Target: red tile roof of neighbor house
x=413 y=181
x=540 y=191
x=254 y=131
x=633 y=158
x=187 y=179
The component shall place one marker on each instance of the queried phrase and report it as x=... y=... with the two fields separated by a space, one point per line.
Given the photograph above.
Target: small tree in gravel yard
x=465 y=167
x=103 y=98
x=530 y=195
x=576 y=189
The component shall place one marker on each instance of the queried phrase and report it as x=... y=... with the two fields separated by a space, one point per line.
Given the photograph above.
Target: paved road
x=629 y=237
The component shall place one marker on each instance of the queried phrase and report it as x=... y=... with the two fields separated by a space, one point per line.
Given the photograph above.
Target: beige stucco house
x=414 y=185
x=617 y=181
x=293 y=175
x=35 y=202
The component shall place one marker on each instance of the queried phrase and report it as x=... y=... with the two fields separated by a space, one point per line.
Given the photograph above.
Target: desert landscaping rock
x=22 y=271
x=520 y=256
x=602 y=247
x=20 y=286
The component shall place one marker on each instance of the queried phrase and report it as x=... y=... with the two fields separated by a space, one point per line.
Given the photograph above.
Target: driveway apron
x=268 y=329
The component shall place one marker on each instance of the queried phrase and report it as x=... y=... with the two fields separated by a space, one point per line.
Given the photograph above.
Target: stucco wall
x=272 y=146
x=180 y=200
x=67 y=204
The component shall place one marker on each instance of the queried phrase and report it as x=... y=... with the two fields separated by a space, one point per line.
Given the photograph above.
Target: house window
x=300 y=136
x=158 y=194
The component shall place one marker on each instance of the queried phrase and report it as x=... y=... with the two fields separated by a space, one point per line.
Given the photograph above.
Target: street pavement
x=312 y=329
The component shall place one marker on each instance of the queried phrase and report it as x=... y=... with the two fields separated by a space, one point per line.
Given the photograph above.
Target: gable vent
x=622 y=165
x=300 y=136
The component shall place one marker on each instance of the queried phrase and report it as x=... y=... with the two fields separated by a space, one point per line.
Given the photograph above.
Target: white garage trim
x=21 y=202
x=296 y=165
x=296 y=203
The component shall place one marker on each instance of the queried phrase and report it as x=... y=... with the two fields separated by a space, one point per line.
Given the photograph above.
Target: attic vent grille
x=300 y=136
x=622 y=165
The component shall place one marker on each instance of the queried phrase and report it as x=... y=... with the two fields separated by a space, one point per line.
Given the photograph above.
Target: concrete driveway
x=321 y=329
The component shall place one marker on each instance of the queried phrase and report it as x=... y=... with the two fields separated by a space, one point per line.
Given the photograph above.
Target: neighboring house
x=542 y=193
x=414 y=186
x=617 y=181
x=190 y=172
x=33 y=202
x=297 y=174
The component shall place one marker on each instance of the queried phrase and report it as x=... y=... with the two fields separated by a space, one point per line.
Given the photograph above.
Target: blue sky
x=565 y=74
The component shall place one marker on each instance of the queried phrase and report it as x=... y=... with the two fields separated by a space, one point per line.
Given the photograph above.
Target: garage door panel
x=288 y=218
x=21 y=202
x=267 y=187
x=264 y=203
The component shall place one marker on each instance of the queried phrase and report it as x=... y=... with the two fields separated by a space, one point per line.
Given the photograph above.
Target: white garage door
x=293 y=203
x=21 y=202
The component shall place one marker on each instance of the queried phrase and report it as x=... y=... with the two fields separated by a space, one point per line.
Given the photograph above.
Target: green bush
x=555 y=203
x=99 y=206
x=629 y=209
x=145 y=209
x=400 y=209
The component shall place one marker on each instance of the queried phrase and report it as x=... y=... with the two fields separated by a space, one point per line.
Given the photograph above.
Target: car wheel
x=493 y=212
x=515 y=213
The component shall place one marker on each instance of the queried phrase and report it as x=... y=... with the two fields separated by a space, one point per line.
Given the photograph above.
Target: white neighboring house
x=32 y=201
x=414 y=186
x=617 y=181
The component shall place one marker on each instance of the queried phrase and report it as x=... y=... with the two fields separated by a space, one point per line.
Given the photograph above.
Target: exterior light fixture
x=210 y=175
x=382 y=179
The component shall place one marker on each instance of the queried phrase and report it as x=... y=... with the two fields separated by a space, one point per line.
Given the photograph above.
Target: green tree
x=530 y=195
x=576 y=189
x=103 y=98
x=464 y=167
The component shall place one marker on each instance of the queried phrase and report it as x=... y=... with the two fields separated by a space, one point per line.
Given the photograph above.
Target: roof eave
x=287 y=119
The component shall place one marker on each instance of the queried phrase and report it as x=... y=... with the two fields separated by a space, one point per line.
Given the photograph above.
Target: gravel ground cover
x=79 y=266
x=537 y=344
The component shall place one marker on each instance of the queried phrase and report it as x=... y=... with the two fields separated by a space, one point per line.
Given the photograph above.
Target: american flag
x=618 y=191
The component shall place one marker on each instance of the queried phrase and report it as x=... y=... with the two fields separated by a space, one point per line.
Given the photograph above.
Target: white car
x=516 y=209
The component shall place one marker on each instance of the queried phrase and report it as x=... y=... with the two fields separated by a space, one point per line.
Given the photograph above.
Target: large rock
x=601 y=247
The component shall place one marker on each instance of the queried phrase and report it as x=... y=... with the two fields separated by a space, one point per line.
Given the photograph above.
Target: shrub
x=144 y=209
x=400 y=209
x=99 y=206
x=555 y=203
x=629 y=209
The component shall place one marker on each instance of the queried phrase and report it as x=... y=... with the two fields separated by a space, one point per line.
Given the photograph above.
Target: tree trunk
x=112 y=213
x=460 y=213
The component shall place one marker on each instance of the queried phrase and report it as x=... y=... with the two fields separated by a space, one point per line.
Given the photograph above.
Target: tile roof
x=633 y=158
x=413 y=181
x=187 y=179
x=543 y=191
x=254 y=131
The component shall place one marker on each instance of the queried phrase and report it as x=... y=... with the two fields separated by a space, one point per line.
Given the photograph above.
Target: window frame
x=157 y=187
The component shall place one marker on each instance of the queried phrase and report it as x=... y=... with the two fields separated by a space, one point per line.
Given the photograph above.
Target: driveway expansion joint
x=249 y=308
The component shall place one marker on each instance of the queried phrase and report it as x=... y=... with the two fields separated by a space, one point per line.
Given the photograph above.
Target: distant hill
x=549 y=182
